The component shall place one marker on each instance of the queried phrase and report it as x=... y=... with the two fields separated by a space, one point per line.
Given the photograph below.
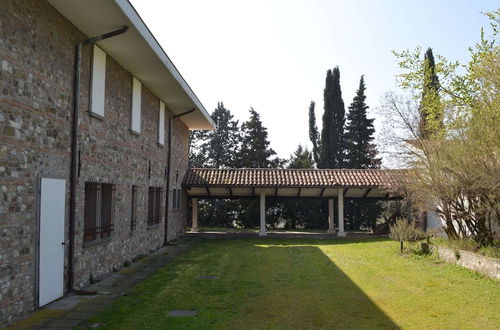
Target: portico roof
x=356 y=183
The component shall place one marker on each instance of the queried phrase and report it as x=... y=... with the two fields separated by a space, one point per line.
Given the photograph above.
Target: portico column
x=262 y=231
x=331 y=224
x=194 y=227
x=341 y=232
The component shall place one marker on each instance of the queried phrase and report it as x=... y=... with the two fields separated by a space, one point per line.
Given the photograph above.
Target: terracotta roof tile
x=266 y=177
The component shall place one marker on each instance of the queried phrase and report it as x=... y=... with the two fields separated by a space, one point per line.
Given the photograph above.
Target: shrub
x=405 y=231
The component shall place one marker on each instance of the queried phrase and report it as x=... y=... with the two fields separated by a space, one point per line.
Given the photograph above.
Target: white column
x=331 y=224
x=341 y=232
x=194 y=227
x=262 y=231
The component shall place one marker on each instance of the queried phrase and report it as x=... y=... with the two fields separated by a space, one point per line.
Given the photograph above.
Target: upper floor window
x=161 y=124
x=135 y=124
x=97 y=92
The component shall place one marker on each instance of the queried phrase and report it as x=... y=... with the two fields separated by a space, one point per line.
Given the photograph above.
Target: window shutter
x=133 y=210
x=98 y=85
x=161 y=124
x=136 y=106
x=174 y=199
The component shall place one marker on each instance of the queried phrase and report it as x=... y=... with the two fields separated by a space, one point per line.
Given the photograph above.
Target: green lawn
x=301 y=284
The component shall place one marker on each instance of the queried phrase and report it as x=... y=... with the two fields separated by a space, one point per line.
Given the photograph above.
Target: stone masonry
x=37 y=51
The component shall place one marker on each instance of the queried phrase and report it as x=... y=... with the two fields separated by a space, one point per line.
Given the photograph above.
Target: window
x=176 y=202
x=99 y=211
x=133 y=210
x=135 y=124
x=161 y=124
x=97 y=91
x=154 y=206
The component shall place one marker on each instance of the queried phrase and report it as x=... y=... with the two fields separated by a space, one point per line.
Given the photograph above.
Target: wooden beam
x=300 y=190
x=322 y=192
x=367 y=192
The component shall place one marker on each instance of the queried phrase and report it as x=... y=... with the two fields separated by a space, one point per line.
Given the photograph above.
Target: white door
x=51 y=263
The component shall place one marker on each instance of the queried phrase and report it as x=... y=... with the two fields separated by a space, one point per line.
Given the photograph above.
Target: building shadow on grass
x=305 y=289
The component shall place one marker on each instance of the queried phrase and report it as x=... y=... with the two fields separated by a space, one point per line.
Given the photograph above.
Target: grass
x=302 y=284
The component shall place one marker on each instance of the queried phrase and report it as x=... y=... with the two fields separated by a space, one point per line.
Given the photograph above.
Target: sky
x=273 y=55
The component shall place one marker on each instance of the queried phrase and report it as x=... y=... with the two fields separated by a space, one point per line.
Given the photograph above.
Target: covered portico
x=375 y=184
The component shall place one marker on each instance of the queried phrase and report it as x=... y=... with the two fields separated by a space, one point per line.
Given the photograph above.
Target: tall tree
x=197 y=156
x=301 y=213
x=255 y=151
x=313 y=133
x=223 y=142
x=332 y=133
x=301 y=158
x=431 y=110
x=217 y=149
x=361 y=152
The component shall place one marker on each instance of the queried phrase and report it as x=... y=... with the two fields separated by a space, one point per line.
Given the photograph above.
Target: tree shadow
x=303 y=288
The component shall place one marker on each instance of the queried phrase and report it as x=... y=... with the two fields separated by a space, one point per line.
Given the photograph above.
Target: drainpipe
x=74 y=146
x=169 y=158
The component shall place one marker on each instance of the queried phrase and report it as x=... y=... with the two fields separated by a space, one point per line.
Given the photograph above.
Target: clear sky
x=273 y=55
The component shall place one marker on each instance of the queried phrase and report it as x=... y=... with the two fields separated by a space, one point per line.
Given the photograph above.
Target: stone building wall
x=37 y=47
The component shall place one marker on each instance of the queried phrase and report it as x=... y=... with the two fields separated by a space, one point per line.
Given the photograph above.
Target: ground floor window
x=176 y=199
x=99 y=211
x=133 y=209
x=154 y=206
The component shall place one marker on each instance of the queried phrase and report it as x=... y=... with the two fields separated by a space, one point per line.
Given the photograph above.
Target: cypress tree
x=431 y=111
x=361 y=152
x=332 y=144
x=313 y=133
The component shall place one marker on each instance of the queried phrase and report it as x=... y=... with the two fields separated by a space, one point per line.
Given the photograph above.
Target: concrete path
x=274 y=234
x=73 y=310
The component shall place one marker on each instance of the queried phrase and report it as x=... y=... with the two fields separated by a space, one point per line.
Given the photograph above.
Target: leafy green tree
x=255 y=151
x=222 y=144
x=361 y=152
x=217 y=149
x=301 y=158
x=301 y=212
x=455 y=172
x=332 y=133
x=197 y=154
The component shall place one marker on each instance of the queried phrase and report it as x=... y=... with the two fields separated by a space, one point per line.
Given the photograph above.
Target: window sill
x=133 y=132
x=96 y=115
x=100 y=241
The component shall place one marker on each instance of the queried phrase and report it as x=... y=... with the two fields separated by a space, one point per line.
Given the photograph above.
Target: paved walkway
x=73 y=310
x=274 y=234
